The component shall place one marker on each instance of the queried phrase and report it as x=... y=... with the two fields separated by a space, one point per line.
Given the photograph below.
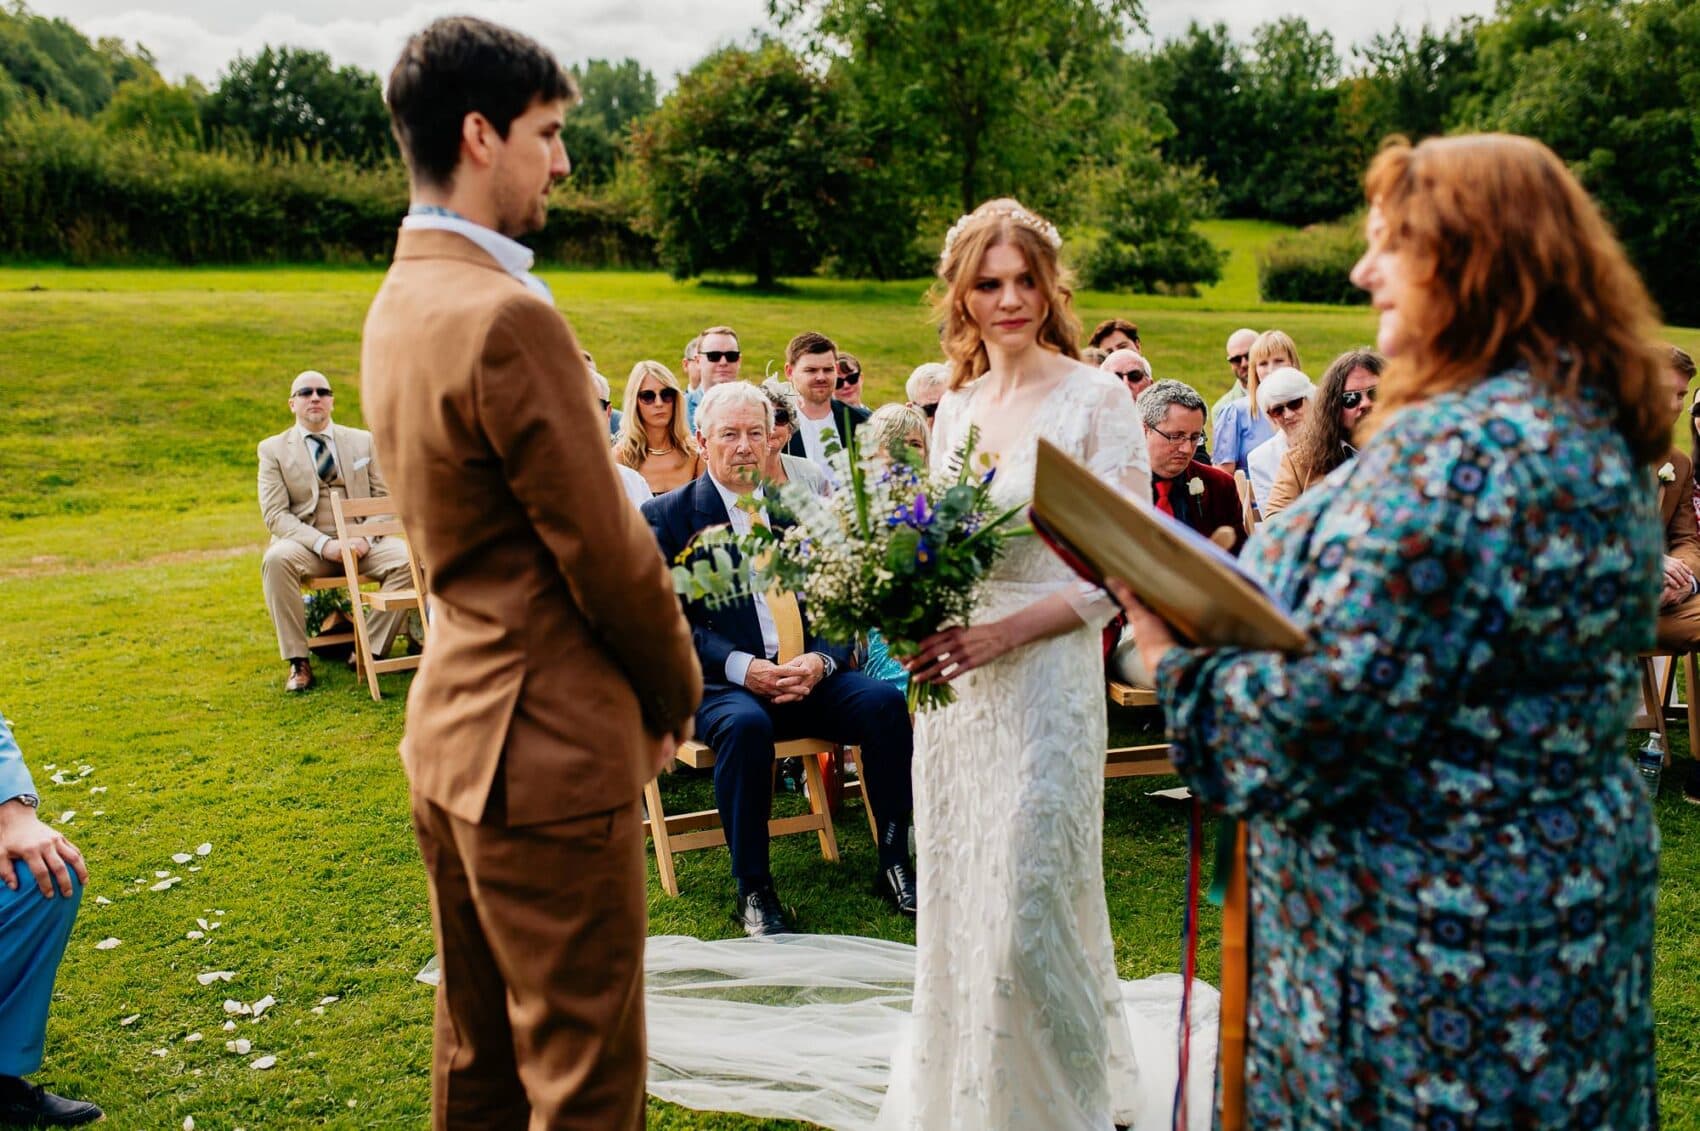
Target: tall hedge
x=72 y=192
x=1312 y=265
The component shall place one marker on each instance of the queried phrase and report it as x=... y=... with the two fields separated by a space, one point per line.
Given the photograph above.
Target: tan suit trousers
x=540 y=934
x=1679 y=626
x=288 y=564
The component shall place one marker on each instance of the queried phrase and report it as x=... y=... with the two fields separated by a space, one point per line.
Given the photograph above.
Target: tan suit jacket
x=289 y=482
x=558 y=649
x=1679 y=624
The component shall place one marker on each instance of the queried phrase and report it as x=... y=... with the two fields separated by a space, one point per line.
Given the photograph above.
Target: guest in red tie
x=1194 y=492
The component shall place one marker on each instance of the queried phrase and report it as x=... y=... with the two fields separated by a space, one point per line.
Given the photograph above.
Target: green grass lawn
x=133 y=640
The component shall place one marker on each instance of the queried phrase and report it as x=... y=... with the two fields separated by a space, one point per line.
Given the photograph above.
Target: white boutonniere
x=1195 y=487
x=1667 y=474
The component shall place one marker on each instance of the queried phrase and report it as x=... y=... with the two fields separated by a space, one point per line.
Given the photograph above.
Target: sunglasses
x=1293 y=406
x=930 y=409
x=848 y=379
x=606 y=405
x=722 y=355
x=1192 y=438
x=311 y=393
x=1237 y=359
x=781 y=418
x=1352 y=398
x=648 y=396
x=1134 y=376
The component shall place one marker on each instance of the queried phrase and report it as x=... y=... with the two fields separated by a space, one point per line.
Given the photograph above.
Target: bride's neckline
x=1018 y=439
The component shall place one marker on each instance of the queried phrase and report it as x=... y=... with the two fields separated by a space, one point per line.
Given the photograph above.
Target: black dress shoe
x=897 y=884
x=759 y=914
x=23 y=1104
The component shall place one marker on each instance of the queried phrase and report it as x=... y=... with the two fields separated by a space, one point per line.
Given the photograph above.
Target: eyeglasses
x=1237 y=359
x=845 y=380
x=647 y=396
x=1134 y=376
x=1293 y=406
x=1192 y=439
x=721 y=355
x=1352 y=398
x=311 y=393
x=781 y=419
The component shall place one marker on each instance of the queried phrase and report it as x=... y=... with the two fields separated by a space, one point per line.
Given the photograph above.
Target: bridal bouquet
x=898 y=549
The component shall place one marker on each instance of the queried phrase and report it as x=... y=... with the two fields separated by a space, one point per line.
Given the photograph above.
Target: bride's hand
x=945 y=655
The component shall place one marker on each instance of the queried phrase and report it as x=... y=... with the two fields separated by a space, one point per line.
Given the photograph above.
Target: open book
x=1188 y=580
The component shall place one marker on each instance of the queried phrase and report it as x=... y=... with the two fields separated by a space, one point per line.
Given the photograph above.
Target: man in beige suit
x=300 y=469
x=561 y=672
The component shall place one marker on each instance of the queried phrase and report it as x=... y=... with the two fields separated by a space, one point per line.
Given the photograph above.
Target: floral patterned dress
x=1451 y=860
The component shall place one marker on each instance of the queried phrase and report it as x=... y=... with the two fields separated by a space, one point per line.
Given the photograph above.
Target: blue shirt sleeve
x=1227 y=446
x=14 y=775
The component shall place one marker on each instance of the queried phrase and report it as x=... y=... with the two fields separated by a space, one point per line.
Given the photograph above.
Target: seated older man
x=1679 y=602
x=767 y=678
x=1182 y=485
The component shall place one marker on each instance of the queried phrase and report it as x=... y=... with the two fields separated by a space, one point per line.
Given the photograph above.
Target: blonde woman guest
x=893 y=425
x=1284 y=397
x=1344 y=397
x=1243 y=426
x=782 y=466
x=654 y=439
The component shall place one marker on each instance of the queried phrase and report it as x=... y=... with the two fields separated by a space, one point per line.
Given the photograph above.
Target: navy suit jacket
x=844 y=418
x=677 y=517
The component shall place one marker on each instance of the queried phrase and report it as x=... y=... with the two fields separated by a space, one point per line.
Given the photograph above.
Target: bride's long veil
x=809 y=1027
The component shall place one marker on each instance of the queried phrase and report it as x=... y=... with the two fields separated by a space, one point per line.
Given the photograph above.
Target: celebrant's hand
x=1151 y=634
x=956 y=651
x=44 y=851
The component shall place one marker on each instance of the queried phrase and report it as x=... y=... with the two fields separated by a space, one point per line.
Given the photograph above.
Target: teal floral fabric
x=1451 y=859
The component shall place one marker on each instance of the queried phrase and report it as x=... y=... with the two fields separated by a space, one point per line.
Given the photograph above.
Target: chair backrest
x=377 y=518
x=1248 y=501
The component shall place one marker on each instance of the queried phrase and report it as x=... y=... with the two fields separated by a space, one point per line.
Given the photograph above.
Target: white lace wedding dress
x=1015 y=1018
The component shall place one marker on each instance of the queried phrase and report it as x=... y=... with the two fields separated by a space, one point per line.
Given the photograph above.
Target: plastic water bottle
x=1651 y=762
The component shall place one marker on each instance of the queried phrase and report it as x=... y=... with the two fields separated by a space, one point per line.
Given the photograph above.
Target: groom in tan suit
x=300 y=469
x=561 y=672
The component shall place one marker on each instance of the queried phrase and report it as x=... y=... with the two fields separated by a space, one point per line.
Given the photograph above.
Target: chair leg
x=658 y=833
x=818 y=806
x=853 y=755
x=1651 y=699
x=1691 y=674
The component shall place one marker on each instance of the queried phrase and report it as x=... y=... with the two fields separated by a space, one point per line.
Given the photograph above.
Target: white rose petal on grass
x=319 y=1009
x=61 y=779
x=162 y=1052
x=191 y=1038
x=230 y=1026
x=239 y=1046
x=102 y=900
x=100 y=812
x=203 y=849
x=181 y=858
x=165 y=885
x=263 y=1063
x=50 y=766
x=158 y=876
x=332 y=1000
x=97 y=789
x=236 y=1007
x=131 y=1020
x=212 y=976
x=263 y=1004
x=202 y=924
x=194 y=935
x=84 y=771
x=188 y=1123
x=107 y=944
x=66 y=816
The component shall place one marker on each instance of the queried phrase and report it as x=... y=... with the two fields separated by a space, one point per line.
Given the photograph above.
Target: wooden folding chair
x=1135 y=761
x=330 y=639
x=688 y=832
x=377 y=519
x=1656 y=694
x=1248 y=502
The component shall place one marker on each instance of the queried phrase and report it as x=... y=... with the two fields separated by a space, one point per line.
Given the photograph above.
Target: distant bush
x=71 y=191
x=1313 y=265
x=1149 y=243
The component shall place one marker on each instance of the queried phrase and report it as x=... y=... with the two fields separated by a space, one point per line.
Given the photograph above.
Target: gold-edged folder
x=1185 y=578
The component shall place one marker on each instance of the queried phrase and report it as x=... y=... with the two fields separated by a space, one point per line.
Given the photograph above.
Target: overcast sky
x=198 y=37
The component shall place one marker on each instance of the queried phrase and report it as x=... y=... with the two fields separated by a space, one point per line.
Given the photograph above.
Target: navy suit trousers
x=848 y=708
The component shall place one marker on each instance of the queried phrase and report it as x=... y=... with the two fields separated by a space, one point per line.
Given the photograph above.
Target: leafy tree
x=1147 y=210
x=977 y=99
x=57 y=64
x=752 y=163
x=614 y=95
x=1203 y=83
x=1614 y=89
x=1304 y=166
x=285 y=97
x=1416 y=85
x=156 y=109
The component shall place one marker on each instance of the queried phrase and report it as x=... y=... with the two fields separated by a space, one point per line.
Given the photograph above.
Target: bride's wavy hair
x=1001 y=221
x=1512 y=263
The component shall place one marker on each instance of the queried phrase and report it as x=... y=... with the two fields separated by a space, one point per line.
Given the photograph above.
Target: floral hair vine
x=1046 y=230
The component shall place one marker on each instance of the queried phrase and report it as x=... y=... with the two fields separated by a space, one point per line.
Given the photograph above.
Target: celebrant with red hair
x=1451 y=862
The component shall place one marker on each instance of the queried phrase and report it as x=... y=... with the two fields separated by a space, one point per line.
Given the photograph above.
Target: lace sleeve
x=1114 y=452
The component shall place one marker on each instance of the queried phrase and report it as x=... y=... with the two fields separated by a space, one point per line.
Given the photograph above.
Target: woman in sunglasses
x=848 y=386
x=781 y=466
x=654 y=439
x=1328 y=438
x=1284 y=398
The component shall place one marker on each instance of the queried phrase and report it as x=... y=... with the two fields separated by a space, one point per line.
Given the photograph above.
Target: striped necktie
x=322 y=457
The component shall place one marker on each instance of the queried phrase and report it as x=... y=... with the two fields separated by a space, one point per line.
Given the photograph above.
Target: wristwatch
x=828 y=667
x=29 y=799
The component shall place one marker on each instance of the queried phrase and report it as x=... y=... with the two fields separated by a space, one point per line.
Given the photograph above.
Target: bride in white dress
x=1018 y=1019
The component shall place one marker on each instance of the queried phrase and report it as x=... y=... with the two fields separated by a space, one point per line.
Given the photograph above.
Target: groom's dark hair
x=458 y=66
